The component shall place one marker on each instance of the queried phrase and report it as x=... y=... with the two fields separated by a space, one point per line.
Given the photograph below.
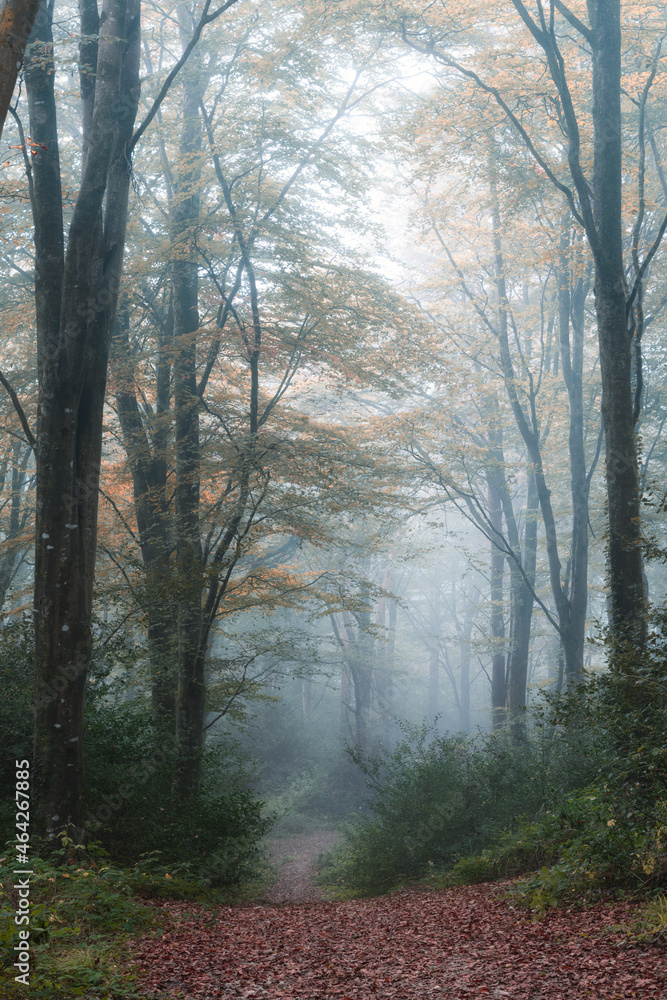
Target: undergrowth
x=85 y=911
x=435 y=799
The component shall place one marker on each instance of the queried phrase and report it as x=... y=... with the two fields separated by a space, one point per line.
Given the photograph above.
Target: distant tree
x=559 y=35
x=258 y=291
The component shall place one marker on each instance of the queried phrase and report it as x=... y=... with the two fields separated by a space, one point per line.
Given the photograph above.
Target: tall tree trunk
x=76 y=294
x=571 y=304
x=433 y=706
x=625 y=552
x=384 y=670
x=192 y=641
x=466 y=636
x=344 y=721
x=433 y=683
x=306 y=696
x=361 y=669
x=602 y=218
x=528 y=427
x=522 y=587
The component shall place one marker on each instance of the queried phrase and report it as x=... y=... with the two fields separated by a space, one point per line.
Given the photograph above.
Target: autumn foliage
x=454 y=944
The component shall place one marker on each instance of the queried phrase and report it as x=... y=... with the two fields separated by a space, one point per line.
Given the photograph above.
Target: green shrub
x=132 y=811
x=436 y=798
x=130 y=773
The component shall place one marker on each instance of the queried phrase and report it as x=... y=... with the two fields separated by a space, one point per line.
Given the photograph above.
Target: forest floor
x=414 y=944
x=294 y=860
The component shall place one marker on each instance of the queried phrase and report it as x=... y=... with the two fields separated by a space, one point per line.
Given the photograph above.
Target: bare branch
x=647 y=260
x=205 y=19
x=582 y=28
x=30 y=438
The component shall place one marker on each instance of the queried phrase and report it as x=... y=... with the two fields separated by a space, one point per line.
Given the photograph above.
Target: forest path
x=295 y=862
x=463 y=943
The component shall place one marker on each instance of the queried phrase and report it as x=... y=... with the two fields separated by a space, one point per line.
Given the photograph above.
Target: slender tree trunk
x=528 y=426
x=522 y=577
x=306 y=696
x=464 y=701
x=433 y=683
x=522 y=587
x=384 y=670
x=189 y=557
x=345 y=694
x=571 y=303
x=146 y=453
x=361 y=669
x=435 y=612
x=498 y=671
x=625 y=552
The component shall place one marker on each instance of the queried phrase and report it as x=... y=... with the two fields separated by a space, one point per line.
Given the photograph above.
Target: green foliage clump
x=436 y=798
x=652 y=925
x=133 y=812
x=612 y=834
x=578 y=798
x=130 y=776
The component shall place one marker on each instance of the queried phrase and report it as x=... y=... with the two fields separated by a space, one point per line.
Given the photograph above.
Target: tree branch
x=582 y=28
x=30 y=438
x=205 y=19
x=647 y=260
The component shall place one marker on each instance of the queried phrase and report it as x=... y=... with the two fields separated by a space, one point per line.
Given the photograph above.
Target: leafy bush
x=434 y=799
x=133 y=812
x=130 y=772
x=16 y=704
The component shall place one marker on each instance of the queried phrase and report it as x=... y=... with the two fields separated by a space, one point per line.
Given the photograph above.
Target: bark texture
x=76 y=295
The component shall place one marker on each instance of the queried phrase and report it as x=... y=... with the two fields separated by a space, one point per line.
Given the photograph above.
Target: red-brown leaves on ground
x=455 y=944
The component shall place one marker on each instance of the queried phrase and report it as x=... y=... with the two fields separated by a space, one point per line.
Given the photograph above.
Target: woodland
x=332 y=498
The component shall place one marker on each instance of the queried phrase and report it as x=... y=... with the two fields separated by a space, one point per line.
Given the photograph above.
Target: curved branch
x=30 y=438
x=205 y=19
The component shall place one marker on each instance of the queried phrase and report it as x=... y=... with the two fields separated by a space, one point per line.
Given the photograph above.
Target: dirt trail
x=295 y=863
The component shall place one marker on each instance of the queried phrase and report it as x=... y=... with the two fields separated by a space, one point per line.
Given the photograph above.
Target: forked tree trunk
x=76 y=294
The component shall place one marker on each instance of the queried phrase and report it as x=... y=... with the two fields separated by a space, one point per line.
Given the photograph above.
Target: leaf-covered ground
x=295 y=862
x=454 y=944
